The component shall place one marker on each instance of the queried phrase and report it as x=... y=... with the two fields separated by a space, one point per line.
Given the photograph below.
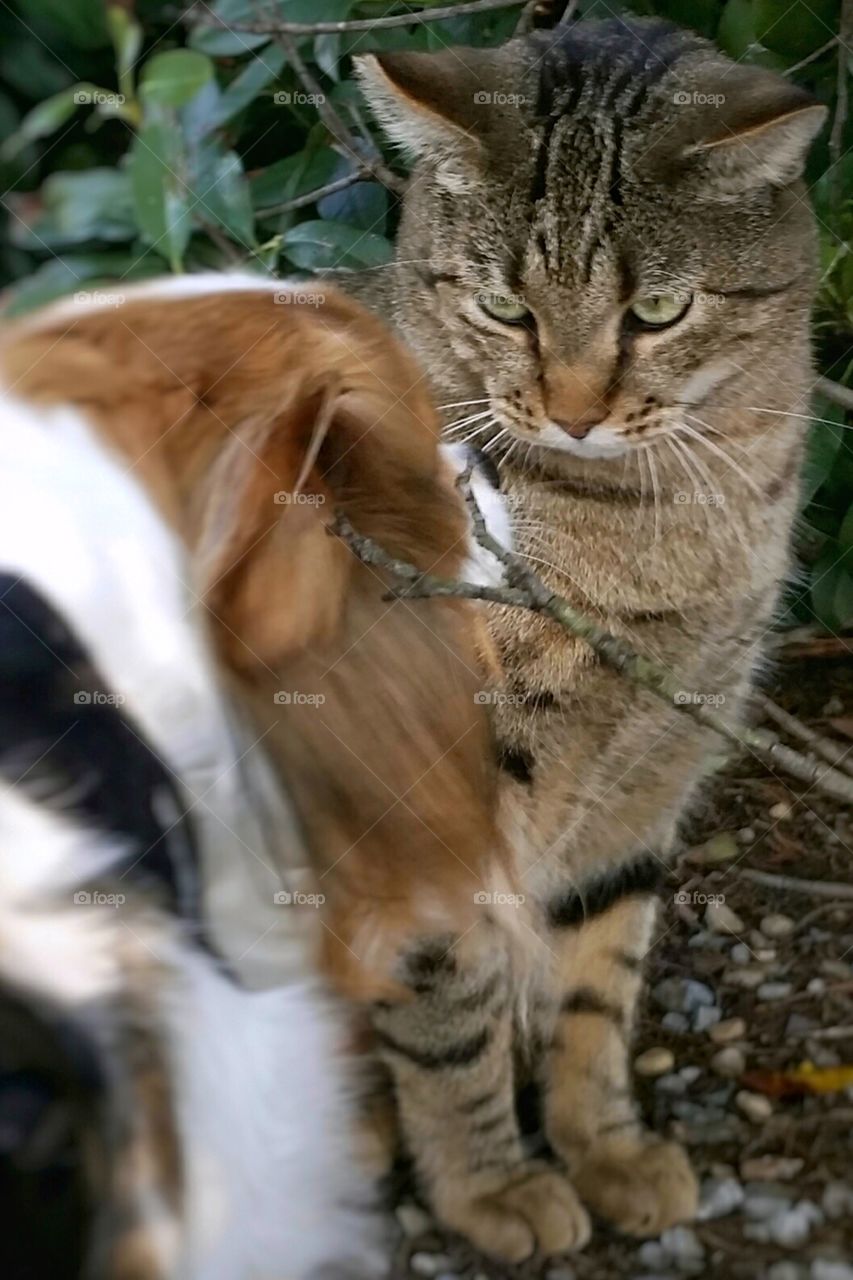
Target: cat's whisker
x=701 y=471
x=653 y=476
x=463 y=404
x=721 y=453
x=472 y=435
x=685 y=456
x=466 y=421
x=805 y=417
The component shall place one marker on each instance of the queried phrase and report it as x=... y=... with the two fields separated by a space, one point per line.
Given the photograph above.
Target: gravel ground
x=758 y=982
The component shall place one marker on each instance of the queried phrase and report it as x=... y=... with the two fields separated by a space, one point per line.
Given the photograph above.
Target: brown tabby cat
x=606 y=260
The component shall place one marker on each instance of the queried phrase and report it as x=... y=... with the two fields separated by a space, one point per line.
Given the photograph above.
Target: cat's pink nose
x=581 y=427
x=575 y=398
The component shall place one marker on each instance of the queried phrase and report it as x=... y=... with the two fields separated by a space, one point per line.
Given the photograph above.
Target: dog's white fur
x=261 y=1096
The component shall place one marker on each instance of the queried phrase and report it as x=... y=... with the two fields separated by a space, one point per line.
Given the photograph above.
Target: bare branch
x=815 y=888
x=835 y=392
x=812 y=57
x=840 y=757
x=526 y=590
x=311 y=197
x=274 y=27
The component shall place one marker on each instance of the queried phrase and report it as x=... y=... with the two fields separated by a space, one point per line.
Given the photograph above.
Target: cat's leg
x=449 y=1048
x=623 y=1171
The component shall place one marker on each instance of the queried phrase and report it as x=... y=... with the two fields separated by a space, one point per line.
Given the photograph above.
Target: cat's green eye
x=659 y=310
x=504 y=307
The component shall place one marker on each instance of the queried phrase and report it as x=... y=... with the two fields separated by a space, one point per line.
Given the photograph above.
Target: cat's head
x=604 y=230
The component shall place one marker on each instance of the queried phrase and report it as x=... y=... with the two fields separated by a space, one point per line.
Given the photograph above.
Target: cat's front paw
x=535 y=1211
x=642 y=1188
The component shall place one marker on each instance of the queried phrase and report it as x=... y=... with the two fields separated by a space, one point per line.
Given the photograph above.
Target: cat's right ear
x=429 y=102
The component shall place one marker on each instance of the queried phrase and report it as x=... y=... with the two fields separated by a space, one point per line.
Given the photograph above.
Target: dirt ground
x=777 y=1185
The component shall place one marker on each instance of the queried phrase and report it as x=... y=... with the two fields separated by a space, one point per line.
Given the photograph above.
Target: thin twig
x=331 y=119
x=814 y=888
x=274 y=27
x=842 y=98
x=311 y=197
x=568 y=13
x=527 y=591
x=812 y=57
x=835 y=392
x=840 y=757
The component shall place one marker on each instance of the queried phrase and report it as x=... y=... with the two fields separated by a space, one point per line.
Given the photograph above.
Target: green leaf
x=826 y=575
x=161 y=193
x=842 y=601
x=76 y=207
x=294 y=176
x=246 y=85
x=322 y=245
x=223 y=193
x=61 y=276
x=825 y=440
x=796 y=29
x=364 y=204
x=45 y=119
x=171 y=79
x=126 y=36
x=81 y=22
x=219 y=41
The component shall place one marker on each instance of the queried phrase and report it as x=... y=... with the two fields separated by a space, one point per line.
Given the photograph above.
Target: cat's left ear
x=430 y=102
x=757 y=130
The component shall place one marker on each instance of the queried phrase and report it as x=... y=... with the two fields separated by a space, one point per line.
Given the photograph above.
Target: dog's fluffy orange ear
x=270 y=574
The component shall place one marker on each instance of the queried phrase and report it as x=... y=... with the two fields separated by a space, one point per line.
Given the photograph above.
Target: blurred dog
x=234 y=779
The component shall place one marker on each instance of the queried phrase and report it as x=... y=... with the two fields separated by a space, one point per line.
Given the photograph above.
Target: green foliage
x=133 y=144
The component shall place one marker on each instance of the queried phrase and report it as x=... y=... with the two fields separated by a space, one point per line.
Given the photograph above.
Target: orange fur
x=220 y=402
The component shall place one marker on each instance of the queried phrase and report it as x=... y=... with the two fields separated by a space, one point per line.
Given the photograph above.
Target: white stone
x=429 y=1264
x=779 y=812
x=777 y=926
x=413 y=1220
x=719 y=1196
x=721 y=919
x=754 y=1106
x=654 y=1062
x=824 y=1269
x=837 y=1201
x=774 y=991
x=728 y=1030
x=748 y=978
x=729 y=1062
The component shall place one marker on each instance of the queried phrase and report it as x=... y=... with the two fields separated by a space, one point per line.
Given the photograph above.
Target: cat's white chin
x=602 y=442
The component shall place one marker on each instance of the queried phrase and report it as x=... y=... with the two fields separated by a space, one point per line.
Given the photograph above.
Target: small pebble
x=836 y=969
x=652 y=1254
x=740 y=953
x=682 y=995
x=754 y=1106
x=824 y=1269
x=835 y=707
x=721 y=919
x=719 y=1196
x=429 y=1264
x=777 y=926
x=671 y=1084
x=413 y=1220
x=792 y=1227
x=837 y=1201
x=747 y=979
x=771 y=1168
x=765 y=955
x=729 y=1062
x=784 y=1271
x=746 y=835
x=779 y=812
x=720 y=848
x=765 y=1201
x=682 y=1244
x=728 y=1030
x=774 y=990
x=706 y=1017
x=676 y=1021
x=654 y=1062
x=690 y=1074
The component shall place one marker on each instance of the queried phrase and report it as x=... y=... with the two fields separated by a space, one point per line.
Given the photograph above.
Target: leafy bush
x=139 y=139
